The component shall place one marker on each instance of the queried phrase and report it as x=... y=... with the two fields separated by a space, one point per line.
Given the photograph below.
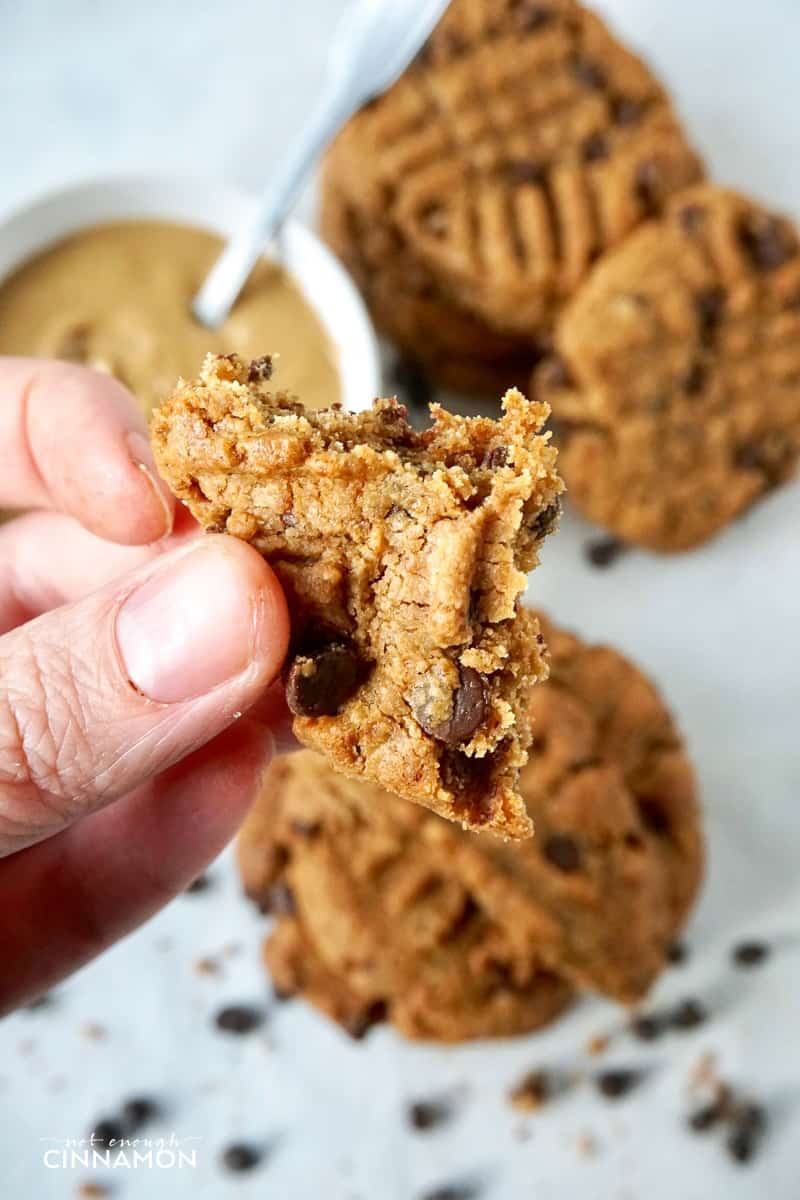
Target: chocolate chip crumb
x=532 y=1091
x=545 y=521
x=201 y=884
x=469 y=710
x=529 y=15
x=595 y=147
x=260 y=369
x=750 y=954
x=604 y=552
x=139 y=1111
x=709 y=306
x=239 y=1019
x=705 y=1118
x=618 y=1083
x=590 y=74
x=563 y=852
x=647 y=1027
x=688 y=1015
x=453 y=1191
x=626 y=111
x=742 y=1145
x=495 y=458
x=424 y=1115
x=767 y=241
x=359 y=1025
x=46 y=1000
x=108 y=1132
x=319 y=684
x=241 y=1156
x=677 y=954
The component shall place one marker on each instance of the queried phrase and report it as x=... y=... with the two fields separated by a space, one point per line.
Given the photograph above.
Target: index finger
x=75 y=440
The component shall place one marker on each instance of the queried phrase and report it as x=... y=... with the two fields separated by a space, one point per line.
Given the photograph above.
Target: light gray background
x=93 y=87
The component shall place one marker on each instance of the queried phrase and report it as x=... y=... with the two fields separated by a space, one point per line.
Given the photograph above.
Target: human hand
x=128 y=651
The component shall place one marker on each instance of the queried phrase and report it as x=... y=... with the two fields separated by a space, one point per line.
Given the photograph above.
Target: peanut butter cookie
x=385 y=911
x=404 y=555
x=677 y=386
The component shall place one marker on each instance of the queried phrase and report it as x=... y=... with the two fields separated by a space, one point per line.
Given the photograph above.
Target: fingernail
x=142 y=457
x=190 y=627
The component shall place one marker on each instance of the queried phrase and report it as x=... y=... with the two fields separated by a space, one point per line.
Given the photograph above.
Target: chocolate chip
x=454 y=42
x=452 y=1191
x=649 y=185
x=319 y=684
x=495 y=458
x=424 y=1115
x=241 y=1156
x=595 y=147
x=139 y=1111
x=617 y=1083
x=239 y=1019
x=108 y=1132
x=626 y=111
x=750 y=954
x=554 y=373
x=279 y=901
x=688 y=1015
x=742 y=1145
x=359 y=1025
x=525 y=170
x=411 y=382
x=709 y=306
x=692 y=218
x=604 y=552
x=201 y=884
x=694 y=378
x=647 y=1027
x=706 y=1117
x=563 y=852
x=469 y=709
x=545 y=521
x=307 y=830
x=590 y=74
x=654 y=815
x=260 y=369
x=767 y=241
x=677 y=954
x=529 y=15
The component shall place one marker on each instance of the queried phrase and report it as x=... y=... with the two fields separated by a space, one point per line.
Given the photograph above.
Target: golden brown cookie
x=524 y=142
x=403 y=555
x=385 y=911
x=677 y=386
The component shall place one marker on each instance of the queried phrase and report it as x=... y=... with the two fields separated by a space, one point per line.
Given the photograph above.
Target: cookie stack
x=385 y=911
x=525 y=195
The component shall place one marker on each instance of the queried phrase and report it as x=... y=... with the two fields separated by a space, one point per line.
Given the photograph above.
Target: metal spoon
x=372 y=46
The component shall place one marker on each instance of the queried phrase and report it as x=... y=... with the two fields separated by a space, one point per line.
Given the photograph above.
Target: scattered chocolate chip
x=545 y=521
x=201 y=884
x=470 y=707
x=241 y=1156
x=424 y=1115
x=525 y=170
x=694 y=378
x=677 y=954
x=688 y=1015
x=554 y=373
x=767 y=241
x=320 y=683
x=452 y=1191
x=617 y=1083
x=139 y=1111
x=532 y=1091
x=649 y=184
x=626 y=111
x=709 y=306
x=239 y=1019
x=307 y=830
x=563 y=852
x=604 y=552
x=412 y=382
x=495 y=458
x=590 y=74
x=529 y=15
x=742 y=1145
x=108 y=1132
x=750 y=954
x=692 y=218
x=360 y=1024
x=279 y=901
x=706 y=1117
x=595 y=147
x=260 y=369
x=647 y=1027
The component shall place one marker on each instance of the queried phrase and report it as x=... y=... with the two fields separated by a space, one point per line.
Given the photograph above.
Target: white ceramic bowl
x=219 y=208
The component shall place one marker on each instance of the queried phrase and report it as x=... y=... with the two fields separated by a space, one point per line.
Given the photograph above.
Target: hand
x=128 y=652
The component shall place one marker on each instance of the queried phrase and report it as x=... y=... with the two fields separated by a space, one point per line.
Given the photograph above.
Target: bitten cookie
x=403 y=555
x=677 y=387
x=385 y=911
x=471 y=199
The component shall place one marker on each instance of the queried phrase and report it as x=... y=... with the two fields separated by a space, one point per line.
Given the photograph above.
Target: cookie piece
x=396 y=914
x=524 y=142
x=403 y=555
x=677 y=389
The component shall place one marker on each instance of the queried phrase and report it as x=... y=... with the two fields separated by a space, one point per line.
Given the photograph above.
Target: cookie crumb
x=586 y=1145
x=207 y=966
x=93 y=1191
x=94 y=1031
x=532 y=1091
x=598 y=1044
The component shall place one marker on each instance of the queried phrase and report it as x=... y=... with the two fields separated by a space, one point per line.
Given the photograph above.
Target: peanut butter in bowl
x=117 y=297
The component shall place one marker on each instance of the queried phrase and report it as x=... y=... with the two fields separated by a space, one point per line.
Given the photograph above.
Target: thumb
x=98 y=697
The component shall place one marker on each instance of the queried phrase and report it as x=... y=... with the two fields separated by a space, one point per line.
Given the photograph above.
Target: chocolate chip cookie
x=384 y=911
x=524 y=142
x=677 y=383
x=403 y=555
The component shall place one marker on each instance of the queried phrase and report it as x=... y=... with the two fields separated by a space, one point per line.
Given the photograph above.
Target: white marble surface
x=93 y=86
